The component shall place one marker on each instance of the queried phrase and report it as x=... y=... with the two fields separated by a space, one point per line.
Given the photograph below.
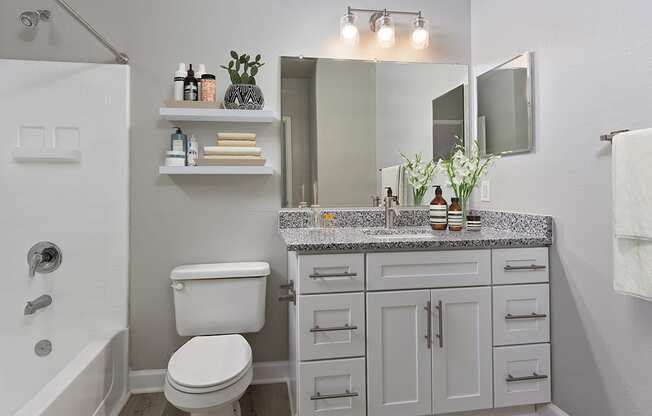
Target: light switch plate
x=485 y=191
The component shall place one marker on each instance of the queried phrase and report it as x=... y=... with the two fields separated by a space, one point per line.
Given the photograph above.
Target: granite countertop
x=409 y=238
x=360 y=229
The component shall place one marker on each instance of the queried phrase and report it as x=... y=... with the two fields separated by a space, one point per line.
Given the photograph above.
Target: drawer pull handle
x=510 y=378
x=533 y=315
x=321 y=276
x=509 y=268
x=346 y=327
x=320 y=396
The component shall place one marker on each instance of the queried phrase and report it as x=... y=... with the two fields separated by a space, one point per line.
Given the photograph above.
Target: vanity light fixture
x=381 y=22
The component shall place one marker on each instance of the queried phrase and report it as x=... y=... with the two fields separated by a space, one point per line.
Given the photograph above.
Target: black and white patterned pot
x=244 y=97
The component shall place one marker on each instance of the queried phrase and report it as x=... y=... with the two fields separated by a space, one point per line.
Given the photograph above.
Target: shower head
x=31 y=19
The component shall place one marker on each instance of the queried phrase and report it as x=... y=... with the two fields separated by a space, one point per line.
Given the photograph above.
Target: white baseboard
x=152 y=381
x=550 y=410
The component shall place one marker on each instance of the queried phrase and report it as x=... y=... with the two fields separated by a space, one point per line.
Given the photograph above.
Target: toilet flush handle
x=177 y=285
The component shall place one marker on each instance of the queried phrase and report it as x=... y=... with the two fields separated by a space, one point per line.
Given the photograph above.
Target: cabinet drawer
x=520 y=265
x=332 y=388
x=324 y=273
x=331 y=326
x=428 y=269
x=521 y=314
x=521 y=375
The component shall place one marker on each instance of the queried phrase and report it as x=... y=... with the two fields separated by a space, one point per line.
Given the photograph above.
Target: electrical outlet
x=485 y=191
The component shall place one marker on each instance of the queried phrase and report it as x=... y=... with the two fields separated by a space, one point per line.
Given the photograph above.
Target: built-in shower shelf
x=216 y=170
x=216 y=115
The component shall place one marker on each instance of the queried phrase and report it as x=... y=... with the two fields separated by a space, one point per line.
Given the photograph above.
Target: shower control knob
x=43 y=257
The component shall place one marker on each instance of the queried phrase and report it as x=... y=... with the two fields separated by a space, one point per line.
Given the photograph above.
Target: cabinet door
x=462 y=350
x=398 y=359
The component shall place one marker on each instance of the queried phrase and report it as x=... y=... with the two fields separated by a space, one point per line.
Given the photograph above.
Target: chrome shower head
x=31 y=19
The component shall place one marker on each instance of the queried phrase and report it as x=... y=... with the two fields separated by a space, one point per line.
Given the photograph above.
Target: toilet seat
x=209 y=363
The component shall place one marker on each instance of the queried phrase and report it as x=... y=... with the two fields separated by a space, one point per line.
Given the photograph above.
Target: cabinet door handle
x=321 y=276
x=291 y=296
x=509 y=268
x=346 y=327
x=428 y=309
x=510 y=378
x=533 y=315
x=319 y=396
x=440 y=313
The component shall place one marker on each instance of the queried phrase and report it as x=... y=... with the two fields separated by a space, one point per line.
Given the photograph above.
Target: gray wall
x=205 y=219
x=592 y=75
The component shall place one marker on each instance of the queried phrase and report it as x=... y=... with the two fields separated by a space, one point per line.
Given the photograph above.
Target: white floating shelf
x=215 y=170
x=216 y=115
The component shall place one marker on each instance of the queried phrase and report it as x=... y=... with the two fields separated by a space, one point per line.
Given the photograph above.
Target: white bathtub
x=94 y=383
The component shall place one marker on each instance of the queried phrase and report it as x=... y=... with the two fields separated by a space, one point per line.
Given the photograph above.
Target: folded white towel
x=632 y=205
x=227 y=150
x=236 y=136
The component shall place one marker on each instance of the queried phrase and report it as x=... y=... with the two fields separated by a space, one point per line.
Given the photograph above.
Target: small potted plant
x=419 y=175
x=243 y=93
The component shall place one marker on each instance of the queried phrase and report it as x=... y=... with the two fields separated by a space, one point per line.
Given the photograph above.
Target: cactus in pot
x=243 y=93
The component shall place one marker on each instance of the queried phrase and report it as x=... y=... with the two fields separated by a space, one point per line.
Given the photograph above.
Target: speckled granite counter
x=499 y=230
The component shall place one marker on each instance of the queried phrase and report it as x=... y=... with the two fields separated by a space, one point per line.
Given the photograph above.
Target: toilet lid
x=210 y=361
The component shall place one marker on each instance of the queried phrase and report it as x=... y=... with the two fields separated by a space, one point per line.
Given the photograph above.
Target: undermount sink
x=399 y=233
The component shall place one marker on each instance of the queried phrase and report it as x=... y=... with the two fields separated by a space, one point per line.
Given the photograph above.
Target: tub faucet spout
x=39 y=303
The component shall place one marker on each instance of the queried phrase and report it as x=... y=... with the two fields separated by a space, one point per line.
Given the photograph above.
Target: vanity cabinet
x=429 y=351
x=418 y=333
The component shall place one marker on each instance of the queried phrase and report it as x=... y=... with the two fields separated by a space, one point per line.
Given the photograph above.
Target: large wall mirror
x=504 y=95
x=346 y=123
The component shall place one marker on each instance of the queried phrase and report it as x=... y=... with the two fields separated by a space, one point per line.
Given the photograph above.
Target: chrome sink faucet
x=391 y=210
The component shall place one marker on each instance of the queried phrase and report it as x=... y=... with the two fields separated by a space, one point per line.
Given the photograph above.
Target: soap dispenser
x=438 y=211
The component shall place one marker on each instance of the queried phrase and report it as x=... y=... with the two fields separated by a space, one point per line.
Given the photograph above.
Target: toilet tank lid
x=220 y=270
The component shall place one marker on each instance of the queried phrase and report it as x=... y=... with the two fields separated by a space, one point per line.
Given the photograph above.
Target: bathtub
x=94 y=383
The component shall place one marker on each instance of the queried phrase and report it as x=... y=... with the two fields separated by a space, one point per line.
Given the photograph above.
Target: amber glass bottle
x=455 y=215
x=438 y=211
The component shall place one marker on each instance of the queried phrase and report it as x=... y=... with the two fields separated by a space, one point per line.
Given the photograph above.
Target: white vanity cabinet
x=419 y=333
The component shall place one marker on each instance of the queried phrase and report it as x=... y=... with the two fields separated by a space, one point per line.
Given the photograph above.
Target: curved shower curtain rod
x=120 y=57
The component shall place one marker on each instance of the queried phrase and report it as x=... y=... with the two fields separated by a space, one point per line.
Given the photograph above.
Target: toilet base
x=232 y=410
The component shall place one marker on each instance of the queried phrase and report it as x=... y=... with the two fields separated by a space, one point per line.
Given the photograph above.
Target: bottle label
x=438 y=214
x=190 y=92
x=455 y=218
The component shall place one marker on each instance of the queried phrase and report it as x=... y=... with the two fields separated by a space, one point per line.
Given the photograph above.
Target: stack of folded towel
x=233 y=149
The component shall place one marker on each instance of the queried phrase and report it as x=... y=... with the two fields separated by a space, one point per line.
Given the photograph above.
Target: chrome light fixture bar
x=381 y=22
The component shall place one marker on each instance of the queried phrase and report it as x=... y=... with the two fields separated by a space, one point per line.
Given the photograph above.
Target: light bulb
x=348 y=30
x=385 y=31
x=420 y=35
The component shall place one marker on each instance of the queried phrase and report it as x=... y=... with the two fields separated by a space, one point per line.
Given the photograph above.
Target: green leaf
x=245 y=78
x=237 y=66
x=242 y=59
x=245 y=67
x=258 y=57
x=254 y=70
x=222 y=66
x=252 y=80
x=235 y=77
x=234 y=55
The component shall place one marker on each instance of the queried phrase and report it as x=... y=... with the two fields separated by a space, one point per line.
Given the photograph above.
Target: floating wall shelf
x=216 y=170
x=216 y=115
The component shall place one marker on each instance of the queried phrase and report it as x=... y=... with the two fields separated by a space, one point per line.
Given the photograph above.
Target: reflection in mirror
x=504 y=114
x=346 y=123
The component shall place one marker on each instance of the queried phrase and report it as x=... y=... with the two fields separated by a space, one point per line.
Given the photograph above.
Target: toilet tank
x=219 y=298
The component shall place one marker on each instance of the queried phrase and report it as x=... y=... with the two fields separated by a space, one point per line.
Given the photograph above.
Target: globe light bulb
x=420 y=34
x=349 y=33
x=385 y=31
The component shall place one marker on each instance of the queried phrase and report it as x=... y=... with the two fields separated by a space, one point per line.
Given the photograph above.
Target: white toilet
x=215 y=303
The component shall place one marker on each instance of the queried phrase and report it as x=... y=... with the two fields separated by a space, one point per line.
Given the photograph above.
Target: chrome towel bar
x=610 y=136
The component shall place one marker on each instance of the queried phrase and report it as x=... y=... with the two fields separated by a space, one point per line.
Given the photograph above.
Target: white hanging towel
x=392 y=177
x=632 y=211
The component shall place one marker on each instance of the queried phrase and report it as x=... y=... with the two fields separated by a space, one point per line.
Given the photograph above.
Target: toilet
x=215 y=303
